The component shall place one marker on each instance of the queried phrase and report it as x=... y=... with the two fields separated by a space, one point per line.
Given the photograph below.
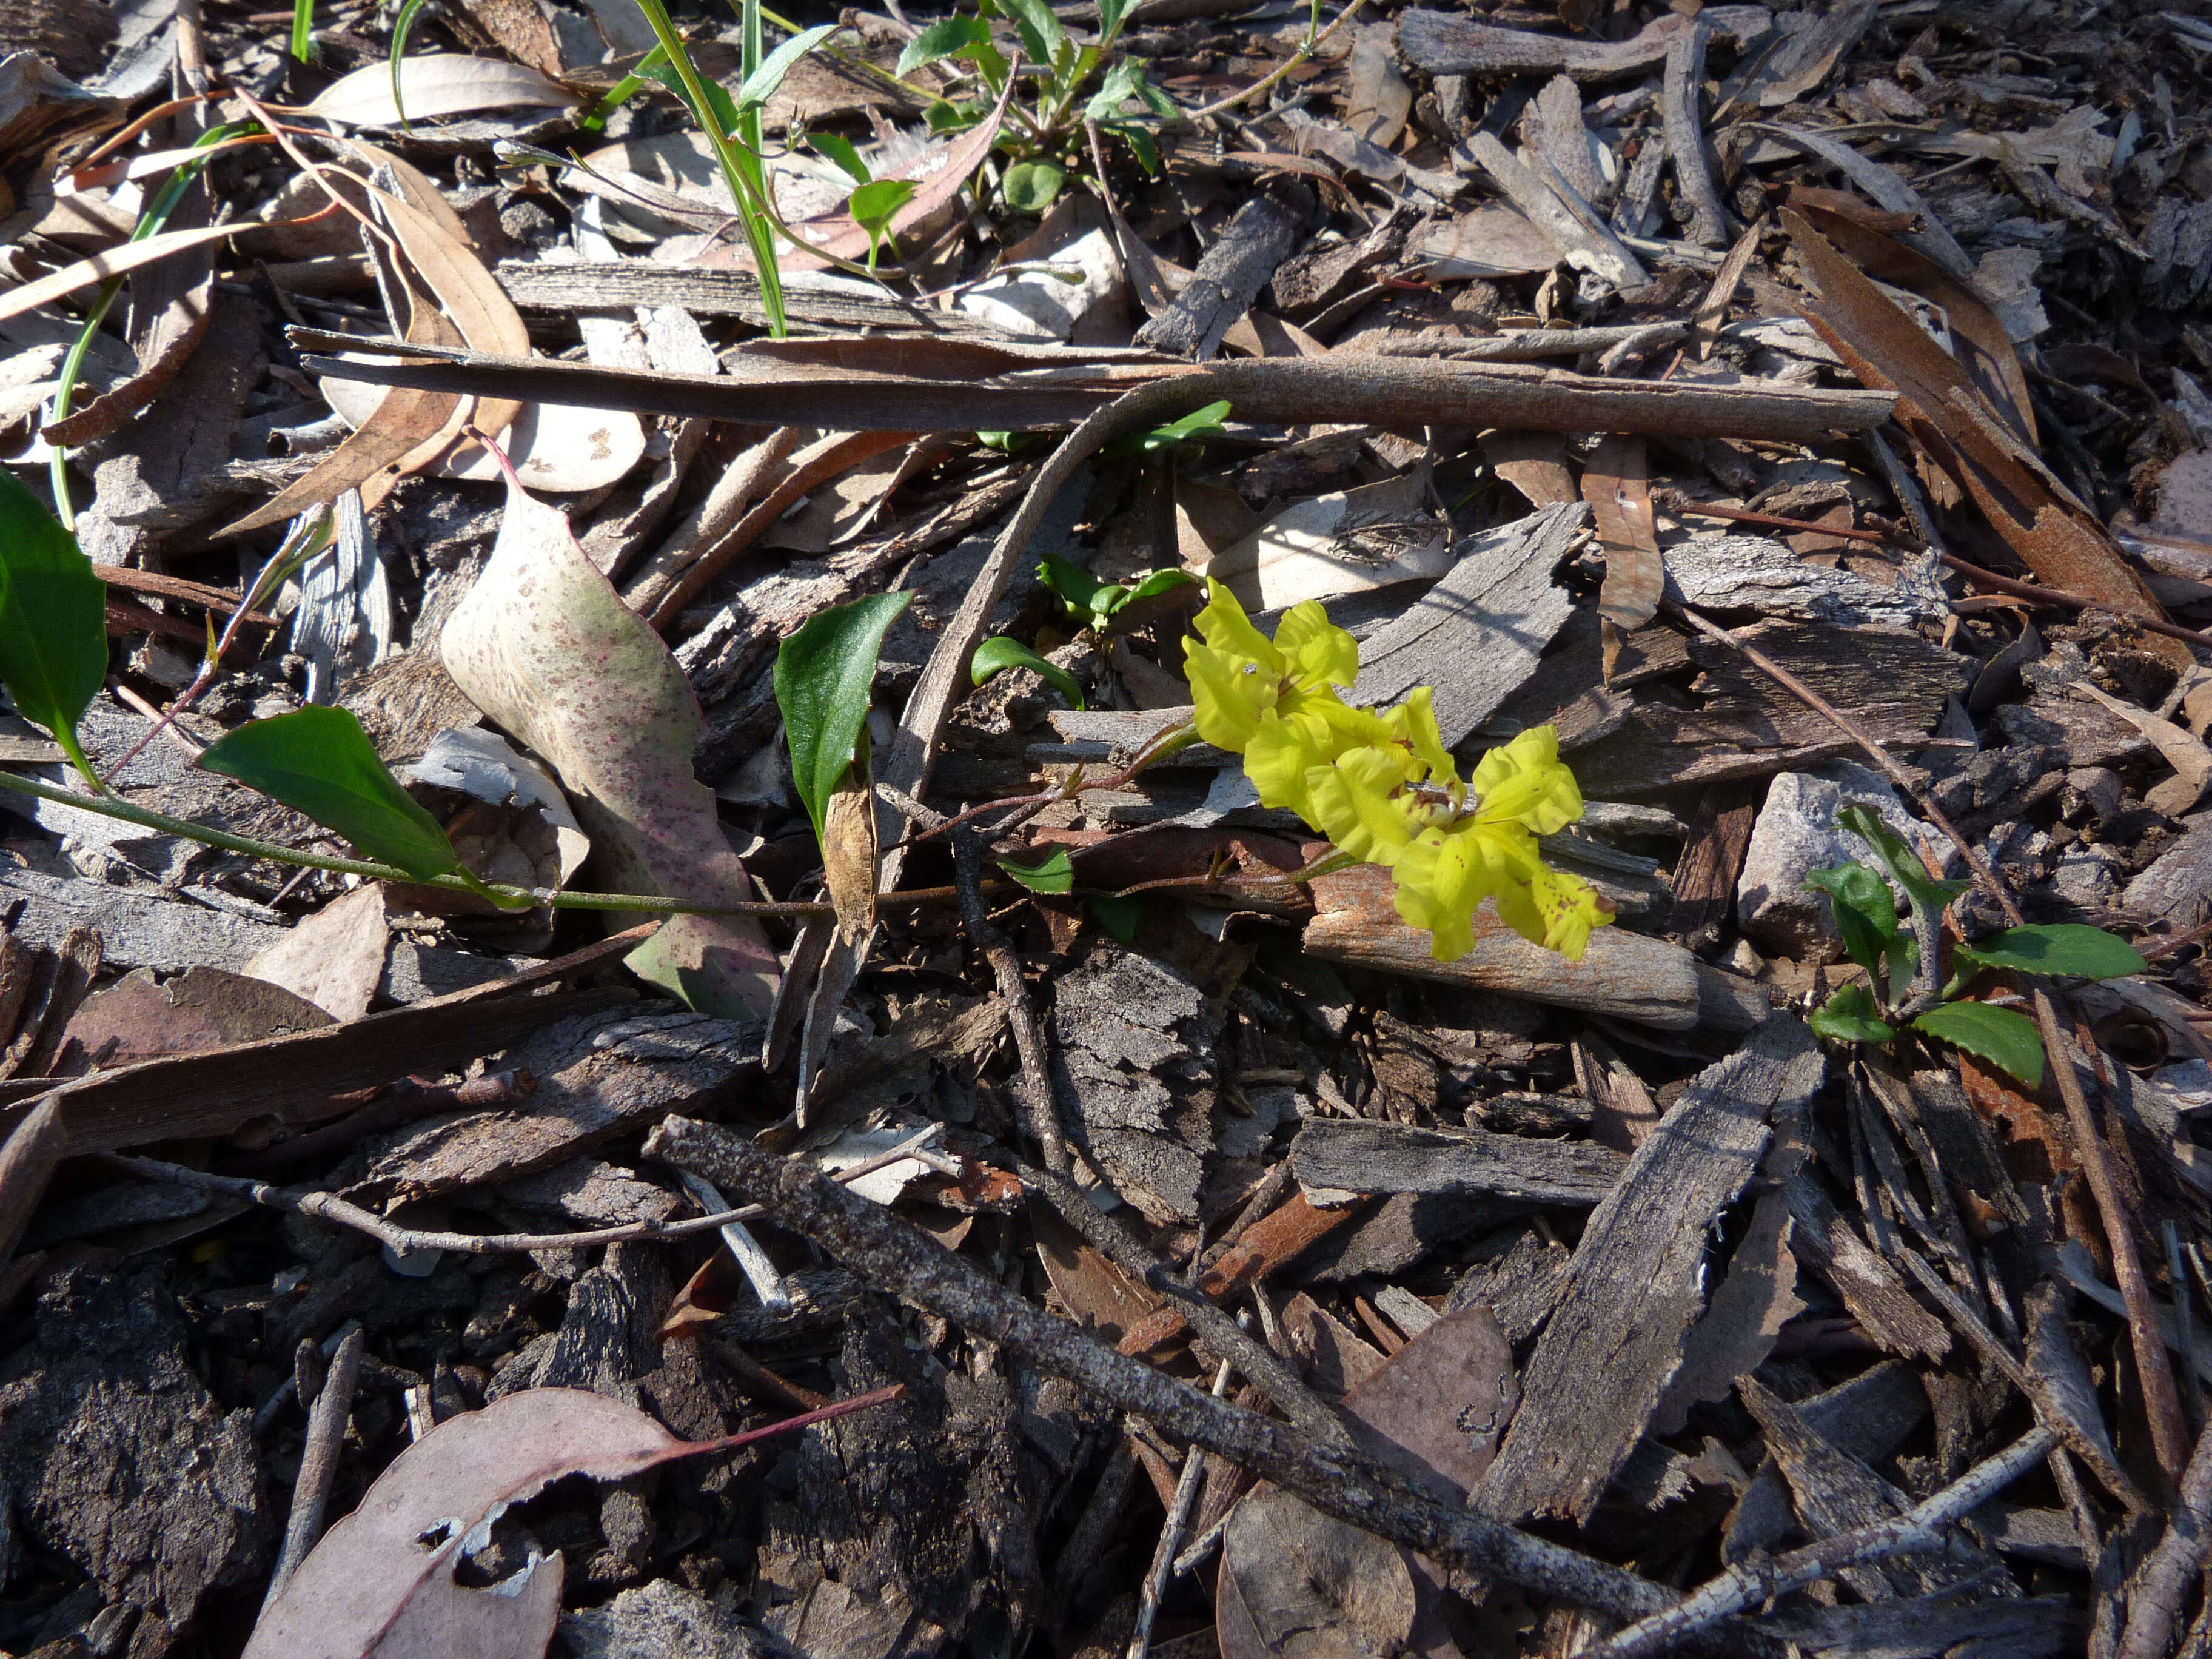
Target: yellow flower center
x=1432 y=806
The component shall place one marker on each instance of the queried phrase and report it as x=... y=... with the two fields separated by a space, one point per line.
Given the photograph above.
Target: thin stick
x=2161 y=1398
x=1171 y=1531
x=1041 y=1113
x=2154 y=1603
x=1920 y=1527
x=329 y=1206
x=1306 y=51
x=319 y=1463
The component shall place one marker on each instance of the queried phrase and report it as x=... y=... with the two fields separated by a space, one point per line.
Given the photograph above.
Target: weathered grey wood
x=1835 y=1492
x=600 y=1075
x=1608 y=1352
x=1869 y=1286
x=1357 y=1156
x=137 y=928
x=1686 y=135
x=622 y=284
x=1476 y=635
x=1628 y=975
x=1590 y=246
x=1231 y=272
x=1445 y=43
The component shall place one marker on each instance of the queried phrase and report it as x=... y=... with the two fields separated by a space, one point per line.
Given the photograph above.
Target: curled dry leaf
x=545 y=646
x=381 y=1581
x=436 y=84
x=559 y=448
x=130 y=256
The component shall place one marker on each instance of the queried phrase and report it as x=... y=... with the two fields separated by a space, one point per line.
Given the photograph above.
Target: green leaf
x=1903 y=863
x=944 y=117
x=400 y=26
x=1082 y=591
x=1042 y=34
x=320 y=761
x=760 y=86
x=873 y=206
x=2000 y=1035
x=1032 y=186
x=723 y=107
x=53 y=618
x=1111 y=13
x=2064 y=950
x=1055 y=875
x=1199 y=423
x=1145 y=147
x=1865 y=907
x=995 y=656
x=823 y=673
x=948 y=37
x=1852 y=1016
x=1118 y=917
x=1119 y=86
x=841 y=150
x=1159 y=582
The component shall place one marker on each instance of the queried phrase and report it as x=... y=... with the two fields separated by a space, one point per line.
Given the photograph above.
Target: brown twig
x=1918 y=1528
x=2161 y=1398
x=1171 y=1531
x=903 y=1262
x=329 y=1206
x=1041 y=1113
x=318 y=1462
x=2155 y=1599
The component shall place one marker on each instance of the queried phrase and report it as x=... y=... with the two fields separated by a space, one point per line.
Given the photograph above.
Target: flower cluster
x=1383 y=788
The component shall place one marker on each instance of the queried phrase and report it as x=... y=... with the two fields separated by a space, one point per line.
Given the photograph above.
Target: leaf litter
x=1800 y=412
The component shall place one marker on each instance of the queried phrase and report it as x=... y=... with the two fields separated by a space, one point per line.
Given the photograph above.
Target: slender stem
x=303 y=31
x=1304 y=51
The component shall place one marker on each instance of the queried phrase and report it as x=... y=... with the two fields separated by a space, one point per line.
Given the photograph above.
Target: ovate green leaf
x=823 y=673
x=1903 y=864
x=1852 y=1016
x=1865 y=907
x=320 y=761
x=2064 y=950
x=1055 y=875
x=1999 y=1035
x=946 y=38
x=995 y=656
x=1032 y=186
x=54 y=616
x=1118 y=917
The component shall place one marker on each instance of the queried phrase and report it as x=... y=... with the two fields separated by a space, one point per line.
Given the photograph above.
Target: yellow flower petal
x=1228 y=693
x=1318 y=650
x=1440 y=878
x=1553 y=910
x=1415 y=722
x=1350 y=803
x=1524 y=783
x=1224 y=625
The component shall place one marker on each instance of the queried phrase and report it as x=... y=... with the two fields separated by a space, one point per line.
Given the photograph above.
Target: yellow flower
x=1237 y=675
x=1450 y=845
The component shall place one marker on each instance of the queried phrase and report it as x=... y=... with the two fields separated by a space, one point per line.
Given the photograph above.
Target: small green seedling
x=1042 y=141
x=1107 y=608
x=1901 y=990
